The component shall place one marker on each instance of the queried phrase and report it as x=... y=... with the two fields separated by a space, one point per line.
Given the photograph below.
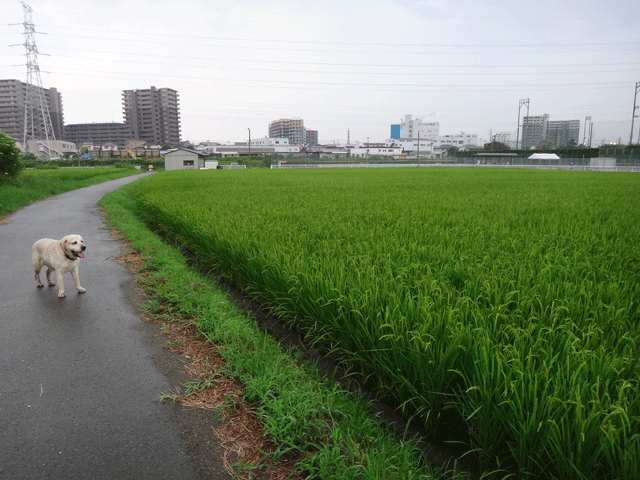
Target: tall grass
x=509 y=296
x=33 y=185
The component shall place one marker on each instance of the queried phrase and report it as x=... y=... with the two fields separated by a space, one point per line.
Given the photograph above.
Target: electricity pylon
x=635 y=107
x=37 y=120
x=523 y=102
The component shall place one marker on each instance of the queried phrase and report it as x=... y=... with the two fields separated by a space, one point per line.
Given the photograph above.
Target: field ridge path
x=81 y=377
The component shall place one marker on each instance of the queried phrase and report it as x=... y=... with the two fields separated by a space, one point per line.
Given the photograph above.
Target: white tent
x=544 y=156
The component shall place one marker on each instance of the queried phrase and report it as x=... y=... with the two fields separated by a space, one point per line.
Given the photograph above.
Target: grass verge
x=328 y=430
x=33 y=185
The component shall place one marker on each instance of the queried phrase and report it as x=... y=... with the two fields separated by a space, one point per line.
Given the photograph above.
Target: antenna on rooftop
x=37 y=120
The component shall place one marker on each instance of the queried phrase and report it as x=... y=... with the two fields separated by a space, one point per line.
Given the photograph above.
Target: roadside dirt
x=233 y=426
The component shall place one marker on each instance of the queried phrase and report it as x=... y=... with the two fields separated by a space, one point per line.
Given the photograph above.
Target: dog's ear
x=63 y=243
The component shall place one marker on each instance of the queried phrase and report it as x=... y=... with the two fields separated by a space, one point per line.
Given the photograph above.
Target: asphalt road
x=81 y=377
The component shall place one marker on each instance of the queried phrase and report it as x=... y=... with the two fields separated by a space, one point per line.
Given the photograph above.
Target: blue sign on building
x=395 y=131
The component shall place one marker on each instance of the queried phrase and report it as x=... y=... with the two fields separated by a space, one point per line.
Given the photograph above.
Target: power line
x=286 y=83
x=345 y=72
x=261 y=44
x=371 y=44
x=350 y=64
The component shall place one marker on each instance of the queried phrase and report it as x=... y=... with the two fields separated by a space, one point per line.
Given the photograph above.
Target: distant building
x=51 y=149
x=259 y=146
x=367 y=150
x=563 y=132
x=538 y=128
x=291 y=128
x=276 y=144
x=98 y=133
x=311 y=137
x=153 y=115
x=458 y=139
x=294 y=130
x=534 y=129
x=12 y=105
x=418 y=128
x=411 y=146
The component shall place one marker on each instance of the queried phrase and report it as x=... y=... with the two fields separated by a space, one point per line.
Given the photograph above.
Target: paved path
x=81 y=377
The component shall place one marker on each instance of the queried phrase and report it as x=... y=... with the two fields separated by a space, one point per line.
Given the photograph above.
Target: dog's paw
x=39 y=285
x=82 y=290
x=61 y=295
x=51 y=284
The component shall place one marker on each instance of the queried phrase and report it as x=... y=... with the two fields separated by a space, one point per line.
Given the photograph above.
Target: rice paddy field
x=504 y=299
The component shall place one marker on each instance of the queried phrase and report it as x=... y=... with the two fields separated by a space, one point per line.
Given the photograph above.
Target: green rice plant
x=509 y=296
x=300 y=410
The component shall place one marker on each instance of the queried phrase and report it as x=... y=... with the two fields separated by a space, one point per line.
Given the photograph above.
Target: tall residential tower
x=562 y=133
x=291 y=128
x=13 y=94
x=153 y=115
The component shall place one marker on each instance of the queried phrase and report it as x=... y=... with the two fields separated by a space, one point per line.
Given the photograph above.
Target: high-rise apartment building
x=291 y=128
x=12 y=103
x=153 y=115
x=534 y=129
x=561 y=132
x=311 y=137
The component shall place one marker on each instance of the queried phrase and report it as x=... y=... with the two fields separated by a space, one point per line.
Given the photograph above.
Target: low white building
x=366 y=150
x=281 y=145
x=47 y=150
x=259 y=146
x=410 y=146
x=458 y=139
x=183 y=159
x=331 y=152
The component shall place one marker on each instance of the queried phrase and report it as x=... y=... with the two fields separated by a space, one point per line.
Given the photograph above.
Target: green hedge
x=31 y=162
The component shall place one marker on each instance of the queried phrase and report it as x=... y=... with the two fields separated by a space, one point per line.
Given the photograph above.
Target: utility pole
x=634 y=114
x=587 y=119
x=367 y=157
x=521 y=103
x=418 y=156
x=249 y=146
x=37 y=120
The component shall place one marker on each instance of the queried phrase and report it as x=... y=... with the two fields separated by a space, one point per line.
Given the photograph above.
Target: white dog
x=59 y=255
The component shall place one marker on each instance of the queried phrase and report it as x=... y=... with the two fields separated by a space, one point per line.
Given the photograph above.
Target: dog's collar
x=70 y=258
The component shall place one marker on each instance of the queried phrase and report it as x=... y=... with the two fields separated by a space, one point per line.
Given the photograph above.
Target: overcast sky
x=343 y=66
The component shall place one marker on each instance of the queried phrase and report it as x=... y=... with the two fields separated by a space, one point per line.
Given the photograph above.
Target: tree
x=10 y=163
x=453 y=152
x=496 y=146
x=545 y=145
